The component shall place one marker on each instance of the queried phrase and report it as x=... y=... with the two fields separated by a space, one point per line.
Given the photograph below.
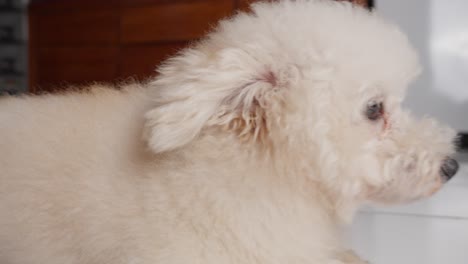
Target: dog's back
x=65 y=163
x=76 y=124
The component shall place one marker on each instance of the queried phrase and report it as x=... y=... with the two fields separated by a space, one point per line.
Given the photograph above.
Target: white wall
x=439 y=30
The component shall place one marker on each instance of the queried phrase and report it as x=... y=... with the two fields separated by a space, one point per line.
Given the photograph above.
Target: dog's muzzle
x=449 y=168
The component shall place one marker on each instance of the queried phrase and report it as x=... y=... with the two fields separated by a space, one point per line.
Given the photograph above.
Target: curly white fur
x=256 y=148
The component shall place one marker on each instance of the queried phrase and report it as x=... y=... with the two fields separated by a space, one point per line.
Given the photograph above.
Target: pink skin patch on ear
x=270 y=78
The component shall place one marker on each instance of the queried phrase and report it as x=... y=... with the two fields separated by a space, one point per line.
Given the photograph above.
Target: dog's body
x=255 y=151
x=86 y=190
x=94 y=194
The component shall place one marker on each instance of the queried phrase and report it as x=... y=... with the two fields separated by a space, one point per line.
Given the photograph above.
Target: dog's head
x=321 y=82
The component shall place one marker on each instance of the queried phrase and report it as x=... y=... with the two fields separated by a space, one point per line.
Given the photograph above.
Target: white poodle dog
x=253 y=146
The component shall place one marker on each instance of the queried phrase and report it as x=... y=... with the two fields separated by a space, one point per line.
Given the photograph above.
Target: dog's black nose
x=449 y=168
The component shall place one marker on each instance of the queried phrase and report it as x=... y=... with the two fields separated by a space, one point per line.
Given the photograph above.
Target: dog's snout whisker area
x=449 y=168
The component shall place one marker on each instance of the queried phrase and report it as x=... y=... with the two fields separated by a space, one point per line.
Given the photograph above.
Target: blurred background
x=48 y=45
x=13 y=47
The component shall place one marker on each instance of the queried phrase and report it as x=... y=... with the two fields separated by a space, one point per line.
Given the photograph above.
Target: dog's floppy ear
x=246 y=108
x=196 y=89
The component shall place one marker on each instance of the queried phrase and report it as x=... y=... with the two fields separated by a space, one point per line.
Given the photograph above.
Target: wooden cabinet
x=84 y=41
x=140 y=60
x=72 y=43
x=172 y=22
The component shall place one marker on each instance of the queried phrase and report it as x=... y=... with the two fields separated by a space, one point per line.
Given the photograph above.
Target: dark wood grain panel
x=53 y=6
x=61 y=78
x=174 y=22
x=128 y=3
x=141 y=60
x=32 y=47
x=76 y=65
x=87 y=27
x=77 y=55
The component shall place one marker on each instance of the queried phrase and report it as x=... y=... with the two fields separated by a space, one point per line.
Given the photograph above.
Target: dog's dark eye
x=374 y=110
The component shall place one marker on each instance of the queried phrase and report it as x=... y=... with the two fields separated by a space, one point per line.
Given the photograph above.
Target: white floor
x=434 y=231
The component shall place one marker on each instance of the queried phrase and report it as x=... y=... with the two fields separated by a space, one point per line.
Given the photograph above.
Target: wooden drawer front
x=174 y=22
x=80 y=65
x=85 y=27
x=48 y=6
x=141 y=61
